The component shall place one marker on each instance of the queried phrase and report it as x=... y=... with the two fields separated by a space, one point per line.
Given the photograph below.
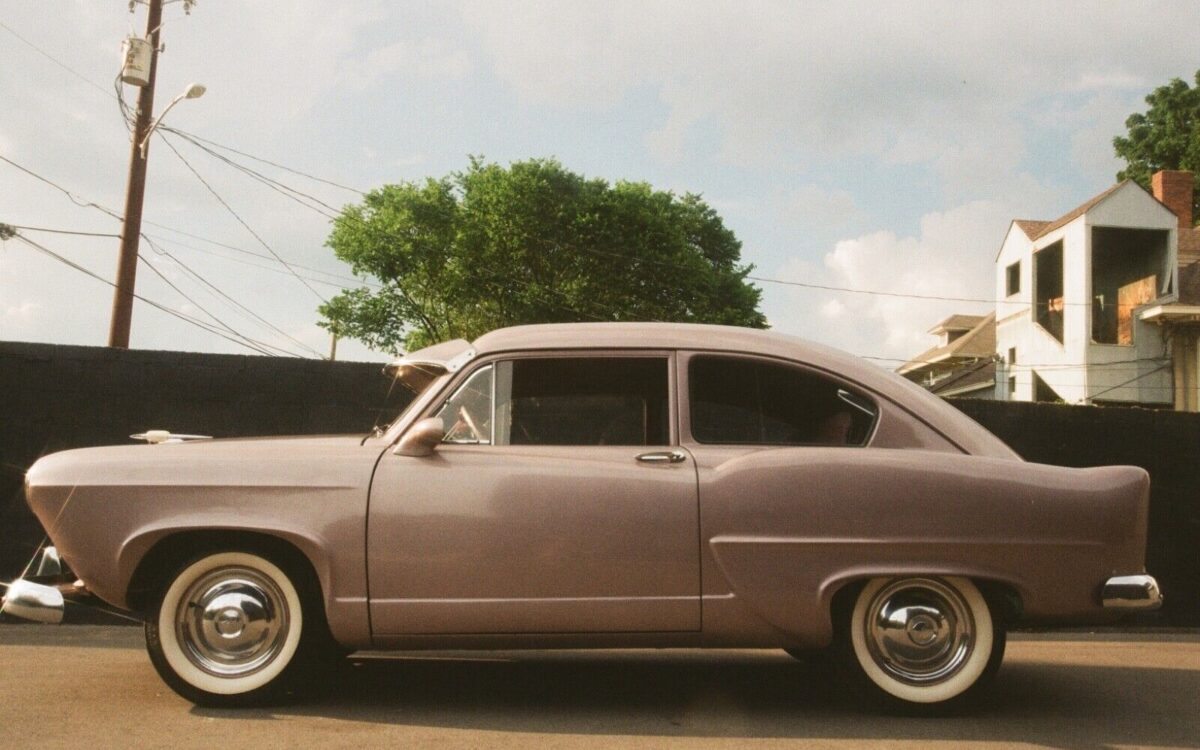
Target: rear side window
x=582 y=401
x=749 y=402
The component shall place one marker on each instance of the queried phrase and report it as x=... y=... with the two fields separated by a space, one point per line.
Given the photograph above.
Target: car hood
x=241 y=460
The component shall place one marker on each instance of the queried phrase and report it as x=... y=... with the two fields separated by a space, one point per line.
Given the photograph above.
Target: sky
x=872 y=146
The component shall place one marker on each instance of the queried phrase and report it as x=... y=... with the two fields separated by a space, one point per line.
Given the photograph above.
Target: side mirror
x=421 y=438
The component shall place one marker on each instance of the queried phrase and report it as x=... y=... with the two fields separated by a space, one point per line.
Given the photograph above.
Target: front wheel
x=227 y=629
x=924 y=640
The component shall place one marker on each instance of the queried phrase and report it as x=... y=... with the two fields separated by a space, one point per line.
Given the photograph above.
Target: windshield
x=413 y=377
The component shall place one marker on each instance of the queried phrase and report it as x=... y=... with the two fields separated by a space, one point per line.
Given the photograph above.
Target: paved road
x=93 y=687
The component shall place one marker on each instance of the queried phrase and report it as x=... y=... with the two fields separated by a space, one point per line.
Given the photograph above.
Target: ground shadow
x=746 y=695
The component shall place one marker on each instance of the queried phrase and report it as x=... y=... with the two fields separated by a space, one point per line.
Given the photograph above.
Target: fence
x=57 y=397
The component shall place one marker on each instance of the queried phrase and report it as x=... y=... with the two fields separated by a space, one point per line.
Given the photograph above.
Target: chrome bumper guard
x=39 y=597
x=1131 y=592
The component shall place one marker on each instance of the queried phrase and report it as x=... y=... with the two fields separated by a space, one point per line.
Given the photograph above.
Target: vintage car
x=601 y=485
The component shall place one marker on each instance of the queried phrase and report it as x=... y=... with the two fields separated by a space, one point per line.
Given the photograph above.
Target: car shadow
x=741 y=694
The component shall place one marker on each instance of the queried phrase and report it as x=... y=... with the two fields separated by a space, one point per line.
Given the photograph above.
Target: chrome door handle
x=663 y=457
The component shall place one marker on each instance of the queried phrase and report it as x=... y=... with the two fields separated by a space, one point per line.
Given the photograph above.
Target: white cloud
x=782 y=79
x=428 y=59
x=951 y=256
x=1099 y=119
x=823 y=208
x=22 y=312
x=1113 y=80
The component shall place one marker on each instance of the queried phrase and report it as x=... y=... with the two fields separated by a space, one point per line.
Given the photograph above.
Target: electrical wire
x=274 y=268
x=146 y=261
x=157 y=305
x=196 y=138
x=54 y=60
x=242 y=221
x=277 y=165
x=246 y=310
x=64 y=231
x=304 y=199
x=117 y=216
x=73 y=198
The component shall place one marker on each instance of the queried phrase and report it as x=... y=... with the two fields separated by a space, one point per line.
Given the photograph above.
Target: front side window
x=563 y=401
x=749 y=402
x=468 y=413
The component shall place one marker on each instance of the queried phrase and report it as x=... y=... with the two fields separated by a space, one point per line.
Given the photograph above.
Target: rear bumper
x=1131 y=592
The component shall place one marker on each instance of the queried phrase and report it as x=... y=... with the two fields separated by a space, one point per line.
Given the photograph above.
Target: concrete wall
x=58 y=397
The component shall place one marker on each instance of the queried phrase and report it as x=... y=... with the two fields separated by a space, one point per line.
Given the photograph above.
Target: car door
x=558 y=502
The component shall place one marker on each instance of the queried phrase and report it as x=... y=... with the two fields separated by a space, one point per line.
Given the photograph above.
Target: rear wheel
x=228 y=629
x=928 y=641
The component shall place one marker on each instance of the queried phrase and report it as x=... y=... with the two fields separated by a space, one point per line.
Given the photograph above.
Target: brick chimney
x=1174 y=190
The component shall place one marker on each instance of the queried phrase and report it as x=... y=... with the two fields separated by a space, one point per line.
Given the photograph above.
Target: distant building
x=963 y=363
x=1102 y=305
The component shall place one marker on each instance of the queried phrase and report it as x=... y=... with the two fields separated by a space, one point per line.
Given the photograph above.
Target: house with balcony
x=1097 y=307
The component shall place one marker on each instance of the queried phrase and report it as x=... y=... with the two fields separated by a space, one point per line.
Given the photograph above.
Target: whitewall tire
x=227 y=629
x=924 y=640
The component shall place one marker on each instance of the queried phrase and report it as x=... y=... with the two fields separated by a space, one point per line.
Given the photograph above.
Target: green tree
x=1166 y=136
x=531 y=243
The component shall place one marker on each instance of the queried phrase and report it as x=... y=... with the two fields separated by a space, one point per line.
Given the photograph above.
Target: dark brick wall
x=58 y=397
x=1164 y=443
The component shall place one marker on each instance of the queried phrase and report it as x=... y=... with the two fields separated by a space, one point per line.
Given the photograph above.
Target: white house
x=1088 y=304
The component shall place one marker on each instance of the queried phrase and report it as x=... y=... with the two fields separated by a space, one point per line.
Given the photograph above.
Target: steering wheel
x=470 y=422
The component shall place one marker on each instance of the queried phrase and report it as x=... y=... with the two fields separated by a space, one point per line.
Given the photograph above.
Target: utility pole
x=135 y=193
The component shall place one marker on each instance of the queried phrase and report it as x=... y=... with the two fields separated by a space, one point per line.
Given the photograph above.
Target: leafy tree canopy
x=1166 y=136
x=531 y=243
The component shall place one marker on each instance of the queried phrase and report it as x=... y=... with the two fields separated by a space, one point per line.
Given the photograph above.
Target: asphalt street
x=89 y=686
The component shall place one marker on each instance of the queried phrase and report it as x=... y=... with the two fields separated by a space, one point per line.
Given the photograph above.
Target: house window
x=1130 y=267
x=1012 y=279
x=1012 y=355
x=1048 y=288
x=1012 y=386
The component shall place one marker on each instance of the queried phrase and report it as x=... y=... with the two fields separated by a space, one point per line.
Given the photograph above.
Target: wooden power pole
x=135 y=193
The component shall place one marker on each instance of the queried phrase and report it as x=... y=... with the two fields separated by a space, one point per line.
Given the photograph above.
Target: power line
x=196 y=275
x=242 y=221
x=117 y=216
x=63 y=231
x=55 y=60
x=157 y=305
x=277 y=165
x=146 y=261
x=291 y=193
x=1039 y=365
x=274 y=268
x=1132 y=380
x=82 y=203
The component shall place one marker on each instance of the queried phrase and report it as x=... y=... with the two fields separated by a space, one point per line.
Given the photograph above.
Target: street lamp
x=194 y=91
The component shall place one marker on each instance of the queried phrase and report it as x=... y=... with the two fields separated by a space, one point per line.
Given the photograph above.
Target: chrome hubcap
x=232 y=622
x=919 y=630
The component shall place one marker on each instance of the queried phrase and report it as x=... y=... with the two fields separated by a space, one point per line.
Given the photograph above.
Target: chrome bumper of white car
x=1131 y=592
x=39 y=597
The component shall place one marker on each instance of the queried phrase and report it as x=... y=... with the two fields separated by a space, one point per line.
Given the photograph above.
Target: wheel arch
x=1003 y=595
x=165 y=550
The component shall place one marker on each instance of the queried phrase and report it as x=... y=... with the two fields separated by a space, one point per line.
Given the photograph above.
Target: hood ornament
x=154 y=437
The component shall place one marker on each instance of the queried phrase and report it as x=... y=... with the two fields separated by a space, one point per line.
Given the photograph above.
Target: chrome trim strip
x=1131 y=592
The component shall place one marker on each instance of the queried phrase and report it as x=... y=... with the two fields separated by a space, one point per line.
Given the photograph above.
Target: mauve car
x=600 y=485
